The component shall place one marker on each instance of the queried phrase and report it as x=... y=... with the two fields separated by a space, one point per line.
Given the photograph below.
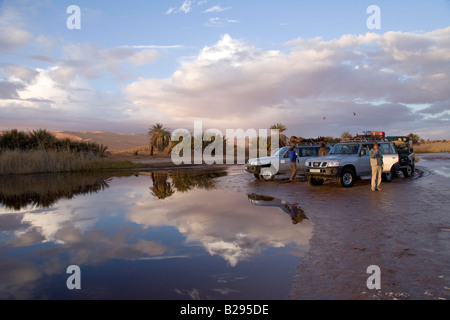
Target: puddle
x=153 y=235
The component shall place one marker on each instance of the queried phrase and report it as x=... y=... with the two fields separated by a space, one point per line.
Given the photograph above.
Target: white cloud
x=234 y=84
x=185 y=7
x=217 y=21
x=13 y=35
x=216 y=8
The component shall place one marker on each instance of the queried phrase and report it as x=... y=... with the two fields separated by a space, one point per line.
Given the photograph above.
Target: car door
x=390 y=156
x=364 y=160
x=284 y=162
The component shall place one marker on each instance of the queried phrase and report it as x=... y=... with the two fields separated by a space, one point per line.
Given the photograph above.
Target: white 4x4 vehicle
x=349 y=161
x=265 y=168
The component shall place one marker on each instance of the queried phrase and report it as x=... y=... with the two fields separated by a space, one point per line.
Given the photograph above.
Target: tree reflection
x=42 y=191
x=165 y=184
x=161 y=188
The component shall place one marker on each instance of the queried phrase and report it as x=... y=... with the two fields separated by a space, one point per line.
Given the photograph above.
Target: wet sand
x=404 y=229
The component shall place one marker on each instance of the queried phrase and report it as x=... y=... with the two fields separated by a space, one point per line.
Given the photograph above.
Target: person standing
x=293 y=161
x=376 y=162
x=323 y=150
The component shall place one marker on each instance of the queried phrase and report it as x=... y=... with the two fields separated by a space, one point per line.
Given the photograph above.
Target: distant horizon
x=319 y=67
x=191 y=131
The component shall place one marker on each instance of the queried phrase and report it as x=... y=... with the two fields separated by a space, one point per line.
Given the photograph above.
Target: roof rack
x=364 y=138
x=306 y=142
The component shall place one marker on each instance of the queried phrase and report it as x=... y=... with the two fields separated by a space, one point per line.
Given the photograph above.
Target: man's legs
x=379 y=171
x=376 y=177
x=294 y=172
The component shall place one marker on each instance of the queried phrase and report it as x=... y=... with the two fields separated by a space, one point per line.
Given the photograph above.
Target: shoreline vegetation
x=40 y=151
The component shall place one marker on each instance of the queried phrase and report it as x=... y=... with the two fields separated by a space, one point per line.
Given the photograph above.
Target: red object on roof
x=378 y=134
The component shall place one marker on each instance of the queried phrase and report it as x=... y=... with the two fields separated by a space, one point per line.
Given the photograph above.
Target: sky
x=318 y=67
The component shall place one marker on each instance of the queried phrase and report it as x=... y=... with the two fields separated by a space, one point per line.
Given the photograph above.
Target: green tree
x=415 y=138
x=282 y=139
x=346 y=135
x=159 y=137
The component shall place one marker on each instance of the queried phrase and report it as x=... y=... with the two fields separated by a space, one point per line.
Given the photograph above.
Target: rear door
x=390 y=156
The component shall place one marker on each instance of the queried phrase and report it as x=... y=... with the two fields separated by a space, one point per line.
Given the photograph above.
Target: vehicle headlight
x=333 y=164
x=254 y=163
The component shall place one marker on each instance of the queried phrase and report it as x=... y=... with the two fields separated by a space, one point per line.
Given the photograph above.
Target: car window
x=345 y=149
x=386 y=148
x=308 y=152
x=365 y=150
x=281 y=152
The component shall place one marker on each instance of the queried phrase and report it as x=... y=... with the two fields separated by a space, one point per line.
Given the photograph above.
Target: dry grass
x=141 y=150
x=42 y=161
x=432 y=147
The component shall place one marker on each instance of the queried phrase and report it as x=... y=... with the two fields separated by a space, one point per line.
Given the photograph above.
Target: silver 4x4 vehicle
x=349 y=161
x=265 y=168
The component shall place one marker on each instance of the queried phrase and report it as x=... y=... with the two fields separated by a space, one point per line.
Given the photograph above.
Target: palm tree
x=282 y=139
x=159 y=137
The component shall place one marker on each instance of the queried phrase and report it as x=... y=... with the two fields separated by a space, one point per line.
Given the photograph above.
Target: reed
x=43 y=161
x=432 y=147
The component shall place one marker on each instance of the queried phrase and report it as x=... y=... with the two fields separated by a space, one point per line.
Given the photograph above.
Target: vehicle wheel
x=408 y=171
x=347 y=178
x=315 y=182
x=387 y=176
x=266 y=174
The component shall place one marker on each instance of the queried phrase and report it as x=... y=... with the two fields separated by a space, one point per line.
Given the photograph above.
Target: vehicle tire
x=315 y=182
x=347 y=178
x=387 y=176
x=256 y=175
x=266 y=174
x=408 y=171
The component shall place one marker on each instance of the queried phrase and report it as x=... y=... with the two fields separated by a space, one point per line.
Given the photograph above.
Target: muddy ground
x=404 y=229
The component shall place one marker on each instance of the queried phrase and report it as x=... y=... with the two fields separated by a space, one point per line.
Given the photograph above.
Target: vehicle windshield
x=280 y=152
x=345 y=149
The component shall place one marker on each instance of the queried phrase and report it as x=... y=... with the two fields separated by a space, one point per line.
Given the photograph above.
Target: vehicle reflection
x=115 y=224
x=293 y=210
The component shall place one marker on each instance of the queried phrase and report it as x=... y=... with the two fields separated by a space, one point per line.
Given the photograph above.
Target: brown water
x=220 y=234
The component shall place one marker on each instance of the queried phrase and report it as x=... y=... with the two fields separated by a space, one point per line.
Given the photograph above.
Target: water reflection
x=196 y=241
x=293 y=210
x=165 y=184
x=42 y=191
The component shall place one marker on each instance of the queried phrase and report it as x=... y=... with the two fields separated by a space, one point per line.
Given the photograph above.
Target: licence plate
x=314 y=170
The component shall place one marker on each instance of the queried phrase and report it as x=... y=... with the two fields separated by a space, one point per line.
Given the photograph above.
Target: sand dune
x=114 y=141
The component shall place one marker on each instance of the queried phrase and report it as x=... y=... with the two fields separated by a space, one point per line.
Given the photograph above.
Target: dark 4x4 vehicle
x=404 y=147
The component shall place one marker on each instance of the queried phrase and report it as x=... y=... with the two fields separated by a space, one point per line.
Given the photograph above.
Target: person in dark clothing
x=293 y=161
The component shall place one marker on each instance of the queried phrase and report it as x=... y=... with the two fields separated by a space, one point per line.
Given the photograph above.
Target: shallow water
x=160 y=235
x=220 y=234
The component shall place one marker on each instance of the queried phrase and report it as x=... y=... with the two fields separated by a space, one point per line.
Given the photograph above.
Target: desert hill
x=114 y=141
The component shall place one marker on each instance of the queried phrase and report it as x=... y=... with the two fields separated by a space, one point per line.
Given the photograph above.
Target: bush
x=44 y=140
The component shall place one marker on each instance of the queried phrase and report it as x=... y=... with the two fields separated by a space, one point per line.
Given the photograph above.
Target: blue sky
x=232 y=64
